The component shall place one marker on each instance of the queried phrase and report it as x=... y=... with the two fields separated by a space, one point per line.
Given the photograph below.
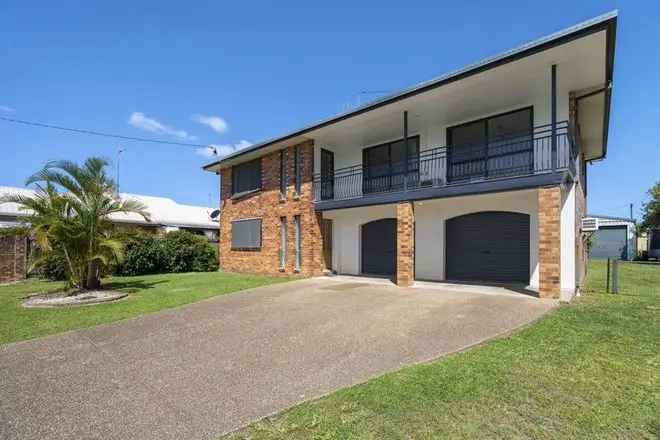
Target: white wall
x=430 y=217
x=567 y=238
x=346 y=238
x=431 y=121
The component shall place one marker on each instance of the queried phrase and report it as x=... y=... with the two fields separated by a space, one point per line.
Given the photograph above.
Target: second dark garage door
x=488 y=246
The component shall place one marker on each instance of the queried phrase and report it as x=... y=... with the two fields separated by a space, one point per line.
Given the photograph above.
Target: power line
x=99 y=133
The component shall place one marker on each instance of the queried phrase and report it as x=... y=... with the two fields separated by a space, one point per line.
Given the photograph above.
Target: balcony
x=533 y=158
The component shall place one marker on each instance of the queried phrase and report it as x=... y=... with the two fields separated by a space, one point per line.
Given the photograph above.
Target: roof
x=601 y=22
x=163 y=211
x=612 y=219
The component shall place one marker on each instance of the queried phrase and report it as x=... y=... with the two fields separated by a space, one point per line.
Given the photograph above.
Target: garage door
x=488 y=246
x=610 y=242
x=379 y=247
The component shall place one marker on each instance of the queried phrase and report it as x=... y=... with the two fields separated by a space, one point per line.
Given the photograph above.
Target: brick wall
x=549 y=241
x=268 y=205
x=405 y=244
x=13 y=258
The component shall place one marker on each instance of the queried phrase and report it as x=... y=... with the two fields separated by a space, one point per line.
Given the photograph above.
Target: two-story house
x=478 y=176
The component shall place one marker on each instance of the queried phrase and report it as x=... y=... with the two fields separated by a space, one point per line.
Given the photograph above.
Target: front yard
x=148 y=293
x=589 y=370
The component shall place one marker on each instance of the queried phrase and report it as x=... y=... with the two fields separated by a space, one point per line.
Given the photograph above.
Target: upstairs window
x=283 y=176
x=246 y=177
x=297 y=168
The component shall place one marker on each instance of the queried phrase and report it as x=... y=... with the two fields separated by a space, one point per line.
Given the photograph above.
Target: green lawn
x=590 y=369
x=148 y=294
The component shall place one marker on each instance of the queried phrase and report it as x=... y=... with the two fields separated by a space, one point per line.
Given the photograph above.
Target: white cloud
x=216 y=123
x=6 y=109
x=143 y=122
x=215 y=150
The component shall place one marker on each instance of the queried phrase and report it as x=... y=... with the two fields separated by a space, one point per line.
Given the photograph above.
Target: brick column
x=405 y=244
x=549 y=242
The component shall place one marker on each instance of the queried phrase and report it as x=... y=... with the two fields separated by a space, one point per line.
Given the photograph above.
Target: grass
x=148 y=294
x=590 y=369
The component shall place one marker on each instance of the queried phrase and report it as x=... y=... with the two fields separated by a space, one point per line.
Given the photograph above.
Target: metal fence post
x=607 y=277
x=615 y=276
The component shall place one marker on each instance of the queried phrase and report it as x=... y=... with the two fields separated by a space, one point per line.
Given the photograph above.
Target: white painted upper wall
x=522 y=83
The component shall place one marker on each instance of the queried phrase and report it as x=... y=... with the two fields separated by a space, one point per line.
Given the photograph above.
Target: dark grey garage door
x=379 y=247
x=610 y=242
x=488 y=246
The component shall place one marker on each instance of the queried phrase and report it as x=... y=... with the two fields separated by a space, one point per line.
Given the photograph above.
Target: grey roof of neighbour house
x=163 y=211
x=605 y=21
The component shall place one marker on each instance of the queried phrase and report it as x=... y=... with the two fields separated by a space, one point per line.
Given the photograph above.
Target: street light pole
x=121 y=150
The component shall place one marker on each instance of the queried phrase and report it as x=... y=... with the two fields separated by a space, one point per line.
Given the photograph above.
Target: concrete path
x=214 y=366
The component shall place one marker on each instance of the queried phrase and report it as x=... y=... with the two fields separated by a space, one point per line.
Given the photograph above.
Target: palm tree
x=75 y=222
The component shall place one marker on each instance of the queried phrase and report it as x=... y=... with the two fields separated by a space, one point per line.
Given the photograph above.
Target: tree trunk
x=93 y=281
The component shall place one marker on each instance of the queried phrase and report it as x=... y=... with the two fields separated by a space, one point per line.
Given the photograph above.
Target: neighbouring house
x=477 y=176
x=166 y=215
x=615 y=238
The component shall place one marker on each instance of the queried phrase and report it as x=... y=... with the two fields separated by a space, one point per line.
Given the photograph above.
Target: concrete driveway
x=214 y=366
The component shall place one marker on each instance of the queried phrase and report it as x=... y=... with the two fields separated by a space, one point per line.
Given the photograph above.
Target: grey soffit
x=490 y=186
x=606 y=21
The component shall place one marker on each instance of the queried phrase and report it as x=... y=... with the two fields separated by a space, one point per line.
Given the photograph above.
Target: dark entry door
x=326 y=233
x=488 y=246
x=379 y=247
x=327 y=175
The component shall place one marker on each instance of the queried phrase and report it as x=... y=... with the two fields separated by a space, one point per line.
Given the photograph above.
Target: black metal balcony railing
x=541 y=151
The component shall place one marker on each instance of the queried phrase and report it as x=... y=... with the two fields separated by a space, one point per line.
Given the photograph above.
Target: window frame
x=283 y=242
x=234 y=176
x=297 y=242
x=297 y=169
x=283 y=173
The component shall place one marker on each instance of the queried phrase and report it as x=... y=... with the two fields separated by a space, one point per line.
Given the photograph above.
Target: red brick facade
x=405 y=244
x=268 y=205
x=13 y=258
x=549 y=200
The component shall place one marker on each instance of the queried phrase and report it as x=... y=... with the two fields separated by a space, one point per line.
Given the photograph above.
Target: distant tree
x=74 y=223
x=651 y=208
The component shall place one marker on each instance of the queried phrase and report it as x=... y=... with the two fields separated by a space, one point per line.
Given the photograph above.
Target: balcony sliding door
x=497 y=146
x=386 y=167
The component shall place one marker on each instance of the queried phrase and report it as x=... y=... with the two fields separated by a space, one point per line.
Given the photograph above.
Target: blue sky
x=229 y=73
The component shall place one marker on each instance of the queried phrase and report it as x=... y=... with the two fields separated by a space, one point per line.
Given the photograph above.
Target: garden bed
x=83 y=298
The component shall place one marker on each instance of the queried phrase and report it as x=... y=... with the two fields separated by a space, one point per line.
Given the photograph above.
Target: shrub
x=187 y=252
x=143 y=254
x=52 y=267
x=178 y=251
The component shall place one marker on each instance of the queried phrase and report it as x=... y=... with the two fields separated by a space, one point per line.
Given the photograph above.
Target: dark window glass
x=282 y=242
x=246 y=234
x=296 y=221
x=385 y=165
x=469 y=134
x=283 y=176
x=491 y=147
x=297 y=168
x=246 y=177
